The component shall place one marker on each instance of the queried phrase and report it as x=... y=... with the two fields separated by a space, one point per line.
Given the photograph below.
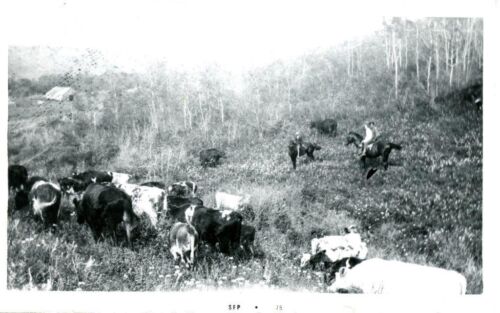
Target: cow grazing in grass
x=183 y=189
x=103 y=208
x=45 y=200
x=183 y=243
x=156 y=184
x=218 y=228
x=299 y=149
x=327 y=126
x=177 y=206
x=211 y=157
x=18 y=176
x=224 y=200
x=146 y=201
x=377 y=276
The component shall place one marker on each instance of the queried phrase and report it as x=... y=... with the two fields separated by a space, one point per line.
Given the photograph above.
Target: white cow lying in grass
x=336 y=248
x=377 y=276
x=146 y=200
x=224 y=200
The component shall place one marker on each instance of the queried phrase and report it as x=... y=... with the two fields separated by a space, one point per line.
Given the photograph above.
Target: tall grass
x=425 y=209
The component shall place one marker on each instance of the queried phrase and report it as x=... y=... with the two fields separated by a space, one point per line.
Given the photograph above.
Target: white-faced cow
x=183 y=242
x=146 y=201
x=177 y=206
x=377 y=276
x=103 y=208
x=45 y=199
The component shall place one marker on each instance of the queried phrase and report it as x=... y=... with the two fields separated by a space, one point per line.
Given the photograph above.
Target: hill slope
x=426 y=208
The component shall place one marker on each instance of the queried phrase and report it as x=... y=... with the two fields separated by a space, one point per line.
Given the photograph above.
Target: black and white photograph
x=180 y=148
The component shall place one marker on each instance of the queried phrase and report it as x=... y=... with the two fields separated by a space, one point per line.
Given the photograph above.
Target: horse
x=378 y=148
x=306 y=148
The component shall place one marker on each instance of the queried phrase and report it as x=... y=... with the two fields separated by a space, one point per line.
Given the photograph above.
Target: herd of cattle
x=105 y=200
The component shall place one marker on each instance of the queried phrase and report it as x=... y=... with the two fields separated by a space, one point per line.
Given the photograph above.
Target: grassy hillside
x=427 y=208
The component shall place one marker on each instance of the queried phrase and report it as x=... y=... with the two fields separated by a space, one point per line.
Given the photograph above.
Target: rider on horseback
x=371 y=135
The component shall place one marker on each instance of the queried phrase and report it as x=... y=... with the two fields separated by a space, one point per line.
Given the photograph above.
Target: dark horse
x=378 y=148
x=306 y=148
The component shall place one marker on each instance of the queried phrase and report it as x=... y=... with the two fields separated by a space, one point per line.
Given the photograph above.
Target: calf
x=241 y=204
x=45 y=200
x=103 y=208
x=18 y=175
x=146 y=201
x=183 y=189
x=299 y=149
x=177 y=206
x=211 y=157
x=218 y=228
x=183 y=240
x=379 y=276
x=326 y=126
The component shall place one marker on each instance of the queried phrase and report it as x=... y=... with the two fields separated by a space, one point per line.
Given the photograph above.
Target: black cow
x=211 y=157
x=247 y=238
x=326 y=126
x=177 y=206
x=296 y=149
x=103 y=208
x=218 y=228
x=156 y=184
x=45 y=200
x=18 y=175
